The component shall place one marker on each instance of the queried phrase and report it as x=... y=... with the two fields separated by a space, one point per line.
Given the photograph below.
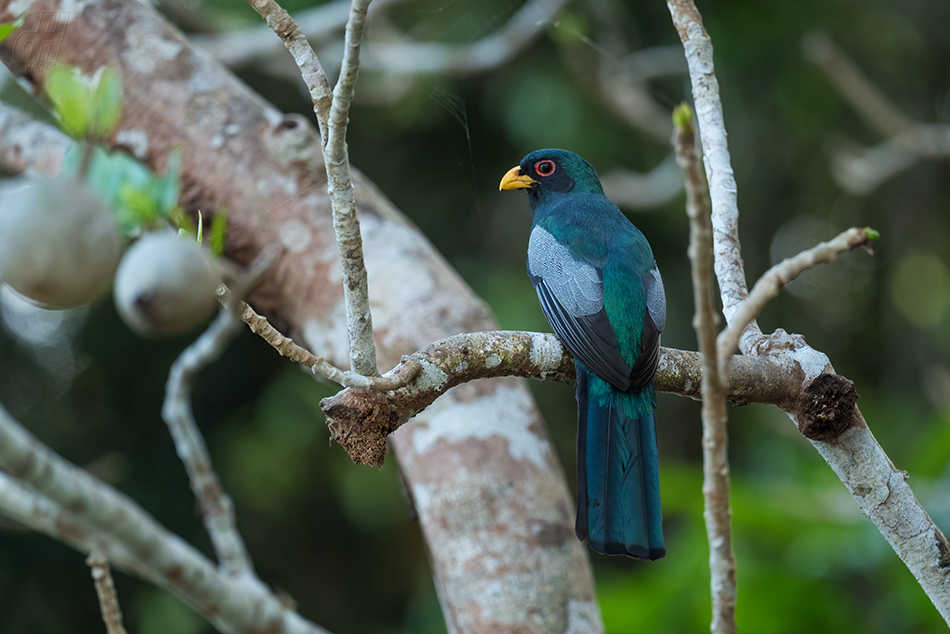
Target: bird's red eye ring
x=545 y=167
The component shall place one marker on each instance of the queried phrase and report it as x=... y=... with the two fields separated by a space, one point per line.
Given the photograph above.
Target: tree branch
x=400 y=376
x=360 y=420
x=346 y=225
x=646 y=190
x=717 y=513
x=415 y=58
x=130 y=536
x=722 y=183
x=772 y=281
x=825 y=412
x=851 y=84
x=245 y=46
x=105 y=590
x=216 y=507
x=29 y=144
x=907 y=140
x=332 y=110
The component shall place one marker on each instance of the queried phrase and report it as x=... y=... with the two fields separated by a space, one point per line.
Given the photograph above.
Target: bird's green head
x=552 y=171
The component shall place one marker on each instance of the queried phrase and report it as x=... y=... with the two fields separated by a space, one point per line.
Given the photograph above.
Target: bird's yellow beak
x=514 y=179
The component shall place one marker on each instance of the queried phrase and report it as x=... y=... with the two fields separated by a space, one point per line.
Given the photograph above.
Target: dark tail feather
x=618 y=489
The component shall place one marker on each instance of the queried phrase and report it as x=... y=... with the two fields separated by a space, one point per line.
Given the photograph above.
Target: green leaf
x=182 y=222
x=165 y=187
x=9 y=27
x=105 y=106
x=219 y=225
x=571 y=28
x=683 y=117
x=86 y=107
x=140 y=199
x=137 y=208
x=68 y=91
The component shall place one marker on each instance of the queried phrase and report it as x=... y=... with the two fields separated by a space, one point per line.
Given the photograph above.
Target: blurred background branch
x=858 y=169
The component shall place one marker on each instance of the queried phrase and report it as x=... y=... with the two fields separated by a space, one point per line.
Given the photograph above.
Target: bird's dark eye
x=544 y=168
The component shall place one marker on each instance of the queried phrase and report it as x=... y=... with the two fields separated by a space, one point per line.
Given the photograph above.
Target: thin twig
x=772 y=281
x=105 y=590
x=299 y=48
x=346 y=226
x=287 y=347
x=217 y=509
x=246 y=46
x=717 y=513
x=332 y=110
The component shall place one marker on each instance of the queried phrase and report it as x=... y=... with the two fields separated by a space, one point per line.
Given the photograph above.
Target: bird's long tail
x=618 y=497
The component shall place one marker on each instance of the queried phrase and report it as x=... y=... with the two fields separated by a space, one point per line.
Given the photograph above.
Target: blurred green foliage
x=335 y=536
x=86 y=107
x=6 y=28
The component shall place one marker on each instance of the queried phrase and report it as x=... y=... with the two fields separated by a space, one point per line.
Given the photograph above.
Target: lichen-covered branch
x=299 y=48
x=360 y=420
x=717 y=512
x=722 y=182
x=346 y=225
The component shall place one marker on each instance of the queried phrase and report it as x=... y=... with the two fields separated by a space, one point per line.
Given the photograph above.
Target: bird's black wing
x=590 y=338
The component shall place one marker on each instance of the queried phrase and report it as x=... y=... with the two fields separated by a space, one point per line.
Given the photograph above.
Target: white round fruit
x=59 y=243
x=165 y=285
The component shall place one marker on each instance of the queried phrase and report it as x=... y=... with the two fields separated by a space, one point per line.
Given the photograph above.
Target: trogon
x=602 y=293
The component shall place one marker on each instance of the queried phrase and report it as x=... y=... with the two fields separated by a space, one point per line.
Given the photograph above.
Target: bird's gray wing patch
x=571 y=295
x=576 y=284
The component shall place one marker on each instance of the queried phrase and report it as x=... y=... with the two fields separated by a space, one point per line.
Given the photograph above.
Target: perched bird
x=602 y=293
